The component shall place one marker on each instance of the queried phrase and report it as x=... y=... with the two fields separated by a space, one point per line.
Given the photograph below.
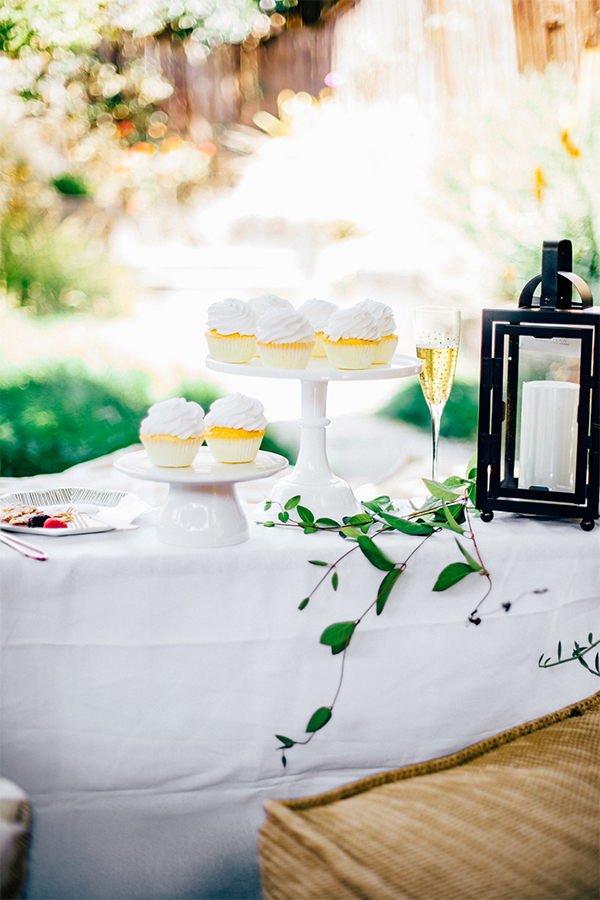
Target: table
x=143 y=684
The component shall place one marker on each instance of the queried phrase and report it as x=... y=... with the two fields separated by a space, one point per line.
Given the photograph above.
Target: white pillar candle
x=548 y=442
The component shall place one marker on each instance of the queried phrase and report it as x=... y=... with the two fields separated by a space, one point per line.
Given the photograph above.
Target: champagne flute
x=437 y=337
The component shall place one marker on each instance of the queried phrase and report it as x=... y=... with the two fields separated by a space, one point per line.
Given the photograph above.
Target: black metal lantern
x=538 y=449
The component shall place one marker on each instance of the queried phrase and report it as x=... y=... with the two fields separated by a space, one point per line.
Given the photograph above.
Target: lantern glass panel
x=539 y=417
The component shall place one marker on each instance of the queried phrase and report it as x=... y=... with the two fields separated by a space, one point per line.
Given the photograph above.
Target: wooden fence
x=427 y=46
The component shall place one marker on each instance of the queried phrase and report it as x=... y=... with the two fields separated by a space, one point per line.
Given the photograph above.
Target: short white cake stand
x=202 y=508
x=320 y=489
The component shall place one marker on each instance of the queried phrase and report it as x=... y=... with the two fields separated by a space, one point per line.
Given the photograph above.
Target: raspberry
x=55 y=523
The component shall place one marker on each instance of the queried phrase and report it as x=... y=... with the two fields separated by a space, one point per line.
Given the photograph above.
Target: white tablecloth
x=143 y=684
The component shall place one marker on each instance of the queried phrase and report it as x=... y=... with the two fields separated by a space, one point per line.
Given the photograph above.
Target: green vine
x=449 y=506
x=577 y=654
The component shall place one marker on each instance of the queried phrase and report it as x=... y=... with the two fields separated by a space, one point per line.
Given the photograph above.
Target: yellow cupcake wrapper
x=319 y=349
x=350 y=353
x=386 y=349
x=233 y=445
x=233 y=348
x=285 y=356
x=171 y=452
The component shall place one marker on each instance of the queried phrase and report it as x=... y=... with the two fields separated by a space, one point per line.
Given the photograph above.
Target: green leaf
x=451 y=520
x=287 y=742
x=451 y=575
x=334 y=581
x=304 y=603
x=374 y=554
x=456 y=510
x=365 y=528
x=590 y=638
x=376 y=504
x=305 y=514
x=471 y=491
x=559 y=649
x=453 y=481
x=268 y=524
x=473 y=564
x=339 y=648
x=360 y=519
x=597 y=662
x=292 y=502
x=349 y=531
x=472 y=465
x=338 y=635
x=268 y=505
x=283 y=516
x=309 y=529
x=385 y=588
x=406 y=526
x=319 y=718
x=438 y=490
x=326 y=521
x=370 y=504
x=317 y=562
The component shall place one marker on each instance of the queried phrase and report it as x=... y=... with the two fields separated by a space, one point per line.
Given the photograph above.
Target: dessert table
x=143 y=683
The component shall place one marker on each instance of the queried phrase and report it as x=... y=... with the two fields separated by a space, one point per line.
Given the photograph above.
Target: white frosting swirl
x=231 y=316
x=178 y=417
x=284 y=326
x=353 y=323
x=260 y=305
x=236 y=411
x=383 y=313
x=317 y=312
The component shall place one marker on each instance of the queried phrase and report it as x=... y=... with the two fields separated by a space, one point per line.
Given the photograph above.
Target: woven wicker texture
x=515 y=817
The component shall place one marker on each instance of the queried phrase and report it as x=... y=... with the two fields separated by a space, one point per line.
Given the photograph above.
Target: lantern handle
x=526 y=298
x=581 y=286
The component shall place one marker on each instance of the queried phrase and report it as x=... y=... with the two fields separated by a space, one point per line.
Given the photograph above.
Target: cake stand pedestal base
x=321 y=491
x=202 y=508
x=202 y=515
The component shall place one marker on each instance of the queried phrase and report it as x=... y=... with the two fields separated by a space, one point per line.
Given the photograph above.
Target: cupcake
x=234 y=428
x=284 y=339
x=261 y=305
x=172 y=432
x=387 y=326
x=231 y=325
x=317 y=312
x=351 y=338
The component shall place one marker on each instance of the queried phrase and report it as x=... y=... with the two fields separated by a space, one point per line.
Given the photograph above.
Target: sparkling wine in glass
x=437 y=338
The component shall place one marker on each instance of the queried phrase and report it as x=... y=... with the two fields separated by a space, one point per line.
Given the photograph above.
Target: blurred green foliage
x=63 y=414
x=50 y=271
x=459 y=420
x=71 y=185
x=528 y=172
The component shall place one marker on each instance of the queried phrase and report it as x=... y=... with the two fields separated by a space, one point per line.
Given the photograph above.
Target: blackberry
x=37 y=521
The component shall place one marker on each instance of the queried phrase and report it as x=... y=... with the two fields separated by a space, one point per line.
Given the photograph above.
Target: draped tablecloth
x=143 y=684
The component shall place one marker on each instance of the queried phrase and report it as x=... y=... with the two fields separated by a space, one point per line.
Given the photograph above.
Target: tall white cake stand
x=202 y=508
x=321 y=491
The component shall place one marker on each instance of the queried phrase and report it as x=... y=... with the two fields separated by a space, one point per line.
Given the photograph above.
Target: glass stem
x=436 y=416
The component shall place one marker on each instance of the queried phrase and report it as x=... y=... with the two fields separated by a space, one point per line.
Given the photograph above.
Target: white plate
x=203 y=470
x=318 y=369
x=84 y=501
